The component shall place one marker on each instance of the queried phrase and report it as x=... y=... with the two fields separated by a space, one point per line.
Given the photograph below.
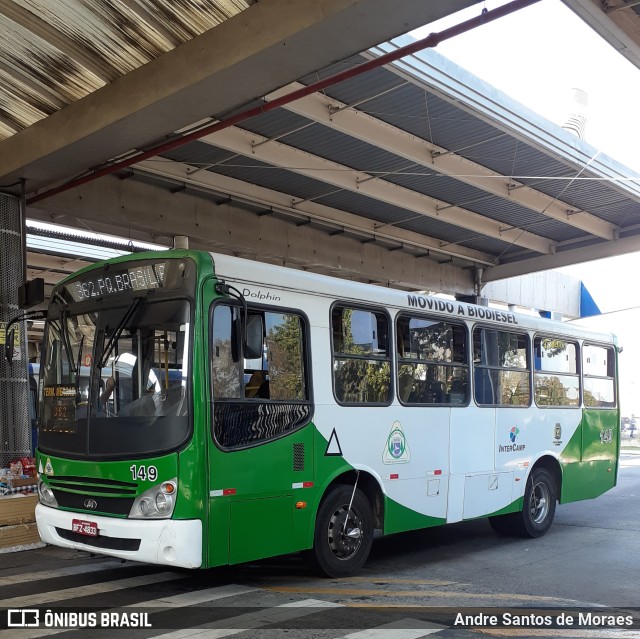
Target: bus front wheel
x=343 y=533
x=538 y=510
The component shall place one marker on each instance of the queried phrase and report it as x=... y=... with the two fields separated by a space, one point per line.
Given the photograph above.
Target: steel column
x=15 y=429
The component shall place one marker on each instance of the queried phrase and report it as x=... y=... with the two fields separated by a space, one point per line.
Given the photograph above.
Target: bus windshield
x=115 y=380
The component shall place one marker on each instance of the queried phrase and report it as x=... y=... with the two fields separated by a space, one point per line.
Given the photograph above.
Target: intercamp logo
x=512 y=447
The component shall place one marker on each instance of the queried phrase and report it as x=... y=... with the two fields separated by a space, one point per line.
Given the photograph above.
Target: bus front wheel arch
x=343 y=532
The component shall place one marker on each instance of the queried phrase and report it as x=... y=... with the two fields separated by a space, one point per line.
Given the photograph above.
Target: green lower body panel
x=261 y=528
x=218 y=536
x=588 y=479
x=590 y=460
x=398 y=518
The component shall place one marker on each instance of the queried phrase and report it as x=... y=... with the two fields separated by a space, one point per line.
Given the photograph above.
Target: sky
x=537 y=56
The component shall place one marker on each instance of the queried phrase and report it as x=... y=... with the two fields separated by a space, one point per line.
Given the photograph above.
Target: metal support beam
x=291 y=159
x=339 y=117
x=563 y=258
x=253 y=194
x=142 y=211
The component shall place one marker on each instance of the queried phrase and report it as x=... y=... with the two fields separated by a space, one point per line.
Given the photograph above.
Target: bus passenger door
x=262 y=450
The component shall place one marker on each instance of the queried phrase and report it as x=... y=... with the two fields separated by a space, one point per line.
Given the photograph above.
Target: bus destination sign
x=103 y=283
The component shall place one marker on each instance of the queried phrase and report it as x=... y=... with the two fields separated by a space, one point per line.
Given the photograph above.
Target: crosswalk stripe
x=170 y=602
x=67 y=571
x=92 y=589
x=195 y=598
x=251 y=620
x=401 y=629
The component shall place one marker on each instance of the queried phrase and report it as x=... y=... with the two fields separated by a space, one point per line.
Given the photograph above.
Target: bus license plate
x=84 y=527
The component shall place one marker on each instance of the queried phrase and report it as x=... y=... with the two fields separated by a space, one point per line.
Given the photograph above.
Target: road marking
x=67 y=571
x=172 y=601
x=402 y=629
x=88 y=590
x=416 y=582
x=360 y=592
x=251 y=620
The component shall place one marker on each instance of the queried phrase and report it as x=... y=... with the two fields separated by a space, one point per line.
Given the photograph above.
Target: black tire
x=337 y=550
x=538 y=511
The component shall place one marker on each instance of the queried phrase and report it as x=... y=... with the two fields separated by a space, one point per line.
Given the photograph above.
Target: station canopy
x=417 y=156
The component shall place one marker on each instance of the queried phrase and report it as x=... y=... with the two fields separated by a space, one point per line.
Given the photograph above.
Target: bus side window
x=501 y=368
x=242 y=386
x=432 y=363
x=361 y=356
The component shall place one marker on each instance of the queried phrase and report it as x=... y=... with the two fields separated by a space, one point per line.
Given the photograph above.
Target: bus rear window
x=599 y=371
x=556 y=380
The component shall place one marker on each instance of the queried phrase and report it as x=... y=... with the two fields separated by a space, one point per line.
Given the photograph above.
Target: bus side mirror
x=9 y=343
x=254 y=332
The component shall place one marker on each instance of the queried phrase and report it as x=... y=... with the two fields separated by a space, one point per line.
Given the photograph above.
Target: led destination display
x=143 y=277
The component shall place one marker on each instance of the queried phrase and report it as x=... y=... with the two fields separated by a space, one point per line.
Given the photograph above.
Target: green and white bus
x=198 y=410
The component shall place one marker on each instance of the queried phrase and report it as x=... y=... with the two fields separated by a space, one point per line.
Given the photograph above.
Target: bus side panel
x=590 y=460
x=261 y=486
x=405 y=449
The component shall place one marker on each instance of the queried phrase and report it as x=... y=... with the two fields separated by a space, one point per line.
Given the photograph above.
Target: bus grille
x=94 y=485
x=94 y=494
x=94 y=503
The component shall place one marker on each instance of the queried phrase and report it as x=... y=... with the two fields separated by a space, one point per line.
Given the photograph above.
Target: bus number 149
x=144 y=472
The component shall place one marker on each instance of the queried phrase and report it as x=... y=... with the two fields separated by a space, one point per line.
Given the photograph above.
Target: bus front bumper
x=157 y=541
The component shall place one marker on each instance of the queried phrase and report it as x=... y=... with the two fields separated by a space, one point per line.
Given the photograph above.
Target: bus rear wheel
x=343 y=533
x=538 y=510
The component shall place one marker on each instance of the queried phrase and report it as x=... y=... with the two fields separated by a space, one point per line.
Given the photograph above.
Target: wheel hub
x=539 y=502
x=345 y=532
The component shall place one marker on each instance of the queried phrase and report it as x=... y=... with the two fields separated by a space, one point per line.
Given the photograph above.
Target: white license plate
x=84 y=527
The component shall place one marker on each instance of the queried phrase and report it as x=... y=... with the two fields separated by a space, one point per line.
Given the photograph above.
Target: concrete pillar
x=15 y=429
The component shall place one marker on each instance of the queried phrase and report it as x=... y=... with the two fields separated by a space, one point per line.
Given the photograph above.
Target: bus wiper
x=78 y=366
x=64 y=312
x=118 y=330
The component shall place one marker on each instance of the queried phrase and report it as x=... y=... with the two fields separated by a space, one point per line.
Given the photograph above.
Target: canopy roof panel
x=421 y=145
x=418 y=155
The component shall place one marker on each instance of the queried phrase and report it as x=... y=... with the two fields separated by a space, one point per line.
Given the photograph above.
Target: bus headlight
x=156 y=503
x=163 y=503
x=46 y=495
